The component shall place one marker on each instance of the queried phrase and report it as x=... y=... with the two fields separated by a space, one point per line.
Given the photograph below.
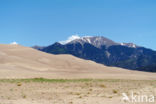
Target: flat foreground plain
x=72 y=91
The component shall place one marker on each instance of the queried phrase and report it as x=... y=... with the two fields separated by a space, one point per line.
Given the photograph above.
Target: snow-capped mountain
x=96 y=41
x=106 y=51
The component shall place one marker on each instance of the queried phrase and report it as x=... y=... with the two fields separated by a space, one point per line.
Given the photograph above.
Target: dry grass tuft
x=115 y=91
x=19 y=84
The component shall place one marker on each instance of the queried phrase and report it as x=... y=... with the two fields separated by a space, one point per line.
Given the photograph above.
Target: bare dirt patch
x=76 y=91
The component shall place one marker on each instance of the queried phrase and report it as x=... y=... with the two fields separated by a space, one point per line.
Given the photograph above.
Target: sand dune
x=23 y=62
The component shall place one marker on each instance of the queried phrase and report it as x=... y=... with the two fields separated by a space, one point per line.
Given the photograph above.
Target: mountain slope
x=107 y=52
x=22 y=62
x=96 y=41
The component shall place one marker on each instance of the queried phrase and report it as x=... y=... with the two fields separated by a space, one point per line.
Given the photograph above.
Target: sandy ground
x=87 y=92
x=17 y=62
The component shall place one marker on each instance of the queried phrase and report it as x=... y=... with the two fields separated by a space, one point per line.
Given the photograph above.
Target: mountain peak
x=96 y=41
x=71 y=38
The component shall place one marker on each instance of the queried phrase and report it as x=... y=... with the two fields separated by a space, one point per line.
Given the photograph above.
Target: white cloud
x=71 y=38
x=14 y=43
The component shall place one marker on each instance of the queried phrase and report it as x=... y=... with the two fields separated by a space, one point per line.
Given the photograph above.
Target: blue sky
x=43 y=22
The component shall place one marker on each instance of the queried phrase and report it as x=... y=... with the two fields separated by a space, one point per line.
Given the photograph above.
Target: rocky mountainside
x=107 y=52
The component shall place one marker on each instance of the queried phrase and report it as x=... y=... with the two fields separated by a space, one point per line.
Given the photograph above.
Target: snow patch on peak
x=134 y=46
x=122 y=44
x=71 y=38
x=75 y=37
x=88 y=40
x=14 y=43
x=129 y=45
